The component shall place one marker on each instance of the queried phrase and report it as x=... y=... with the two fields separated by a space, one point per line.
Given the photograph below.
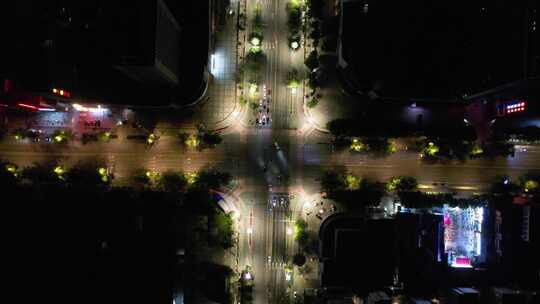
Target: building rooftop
x=434 y=49
x=356 y=257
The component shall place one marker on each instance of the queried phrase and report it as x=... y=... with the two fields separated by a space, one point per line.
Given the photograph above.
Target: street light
x=255 y=41
x=289 y=231
x=294 y=45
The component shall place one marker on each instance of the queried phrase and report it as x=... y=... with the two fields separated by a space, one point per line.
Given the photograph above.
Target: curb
x=305 y=109
x=310 y=118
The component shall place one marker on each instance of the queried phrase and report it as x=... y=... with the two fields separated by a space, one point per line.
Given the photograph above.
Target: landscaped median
x=432 y=143
x=202 y=139
x=354 y=193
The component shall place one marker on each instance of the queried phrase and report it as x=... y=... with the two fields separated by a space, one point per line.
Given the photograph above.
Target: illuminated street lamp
x=59 y=170
x=530 y=185
x=252 y=90
x=191 y=177
x=255 y=41
x=356 y=145
x=287 y=276
x=192 y=141
x=289 y=231
x=352 y=182
x=432 y=149
x=295 y=45
x=151 y=139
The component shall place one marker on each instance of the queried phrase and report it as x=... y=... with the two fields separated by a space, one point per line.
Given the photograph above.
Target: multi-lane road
x=265 y=172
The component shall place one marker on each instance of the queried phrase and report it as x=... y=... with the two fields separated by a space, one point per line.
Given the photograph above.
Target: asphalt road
x=293 y=169
x=299 y=164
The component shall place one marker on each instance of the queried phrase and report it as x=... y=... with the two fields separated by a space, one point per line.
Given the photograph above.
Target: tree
x=142 y=177
x=331 y=182
x=413 y=199
x=41 y=173
x=9 y=174
x=370 y=193
x=258 y=25
x=251 y=68
x=402 y=183
x=315 y=8
x=213 y=179
x=530 y=183
x=293 y=78
x=294 y=18
x=311 y=243
x=210 y=139
x=312 y=103
x=340 y=127
x=500 y=148
x=88 y=173
x=300 y=227
x=173 y=182
x=305 y=270
x=225 y=229
x=62 y=136
x=313 y=82
x=299 y=259
x=379 y=145
x=312 y=61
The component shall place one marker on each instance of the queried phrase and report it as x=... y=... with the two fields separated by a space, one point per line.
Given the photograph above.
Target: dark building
x=147 y=41
x=125 y=52
x=353 y=256
x=462 y=295
x=518 y=243
x=509 y=296
x=436 y=50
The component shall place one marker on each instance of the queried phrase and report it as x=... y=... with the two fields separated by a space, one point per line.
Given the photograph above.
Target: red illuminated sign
x=61 y=92
x=513 y=106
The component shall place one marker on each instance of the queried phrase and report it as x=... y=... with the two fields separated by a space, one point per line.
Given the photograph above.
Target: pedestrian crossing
x=276 y=265
x=268 y=45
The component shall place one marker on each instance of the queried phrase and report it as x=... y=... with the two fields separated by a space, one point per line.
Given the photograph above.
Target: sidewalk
x=221 y=101
x=333 y=103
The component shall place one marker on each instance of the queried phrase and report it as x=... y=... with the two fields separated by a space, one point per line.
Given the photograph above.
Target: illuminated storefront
x=463 y=235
